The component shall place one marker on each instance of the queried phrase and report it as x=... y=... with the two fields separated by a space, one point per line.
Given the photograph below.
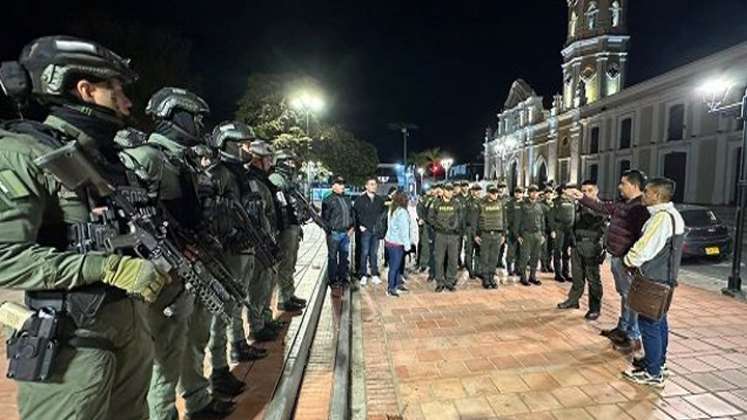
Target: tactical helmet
x=260 y=148
x=284 y=160
x=48 y=65
x=230 y=131
x=178 y=114
x=164 y=103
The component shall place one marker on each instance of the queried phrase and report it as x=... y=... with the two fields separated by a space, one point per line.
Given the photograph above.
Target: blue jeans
x=337 y=257
x=628 y=321
x=655 y=335
x=396 y=258
x=369 y=254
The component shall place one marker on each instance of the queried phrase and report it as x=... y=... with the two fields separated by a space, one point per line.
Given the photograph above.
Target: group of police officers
x=544 y=230
x=110 y=334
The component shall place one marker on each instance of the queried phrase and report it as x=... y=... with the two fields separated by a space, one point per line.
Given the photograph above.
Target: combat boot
x=298 y=300
x=223 y=382
x=290 y=306
x=533 y=278
x=241 y=351
x=523 y=279
x=485 y=282
x=265 y=334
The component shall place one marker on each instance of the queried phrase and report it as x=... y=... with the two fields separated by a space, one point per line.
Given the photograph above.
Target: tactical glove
x=136 y=276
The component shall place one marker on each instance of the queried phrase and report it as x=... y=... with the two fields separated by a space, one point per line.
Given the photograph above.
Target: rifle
x=310 y=209
x=146 y=237
x=250 y=234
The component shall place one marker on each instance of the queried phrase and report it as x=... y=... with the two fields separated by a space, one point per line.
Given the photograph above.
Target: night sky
x=443 y=65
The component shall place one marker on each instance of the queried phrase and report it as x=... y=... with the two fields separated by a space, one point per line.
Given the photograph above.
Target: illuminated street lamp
x=715 y=93
x=446 y=163
x=307 y=103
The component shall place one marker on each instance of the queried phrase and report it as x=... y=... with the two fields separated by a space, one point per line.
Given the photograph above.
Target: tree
x=266 y=107
x=345 y=155
x=430 y=159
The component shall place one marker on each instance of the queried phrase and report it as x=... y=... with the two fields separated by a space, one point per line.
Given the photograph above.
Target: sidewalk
x=508 y=353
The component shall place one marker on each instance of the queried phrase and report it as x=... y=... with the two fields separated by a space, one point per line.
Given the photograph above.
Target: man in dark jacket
x=337 y=213
x=368 y=210
x=627 y=217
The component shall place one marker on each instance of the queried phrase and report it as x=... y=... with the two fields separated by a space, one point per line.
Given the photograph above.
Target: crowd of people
x=137 y=252
x=568 y=231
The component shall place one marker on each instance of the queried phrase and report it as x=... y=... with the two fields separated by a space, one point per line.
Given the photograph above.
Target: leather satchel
x=652 y=298
x=649 y=298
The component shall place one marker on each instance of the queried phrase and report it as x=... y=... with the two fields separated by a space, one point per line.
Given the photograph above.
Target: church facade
x=597 y=127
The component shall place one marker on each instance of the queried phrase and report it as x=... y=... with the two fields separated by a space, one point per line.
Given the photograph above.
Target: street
x=706 y=273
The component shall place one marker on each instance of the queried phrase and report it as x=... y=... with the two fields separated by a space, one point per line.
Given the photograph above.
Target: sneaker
x=375 y=280
x=640 y=376
x=403 y=289
x=641 y=364
x=392 y=293
x=364 y=280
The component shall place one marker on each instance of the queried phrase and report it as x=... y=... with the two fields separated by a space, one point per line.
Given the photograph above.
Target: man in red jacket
x=627 y=217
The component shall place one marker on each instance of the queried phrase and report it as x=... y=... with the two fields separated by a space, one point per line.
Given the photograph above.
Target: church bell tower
x=595 y=53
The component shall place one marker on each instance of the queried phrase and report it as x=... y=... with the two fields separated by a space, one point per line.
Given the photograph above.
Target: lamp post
x=446 y=163
x=307 y=103
x=715 y=92
x=405 y=129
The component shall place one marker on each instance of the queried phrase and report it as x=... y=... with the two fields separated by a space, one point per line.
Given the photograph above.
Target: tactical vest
x=532 y=217
x=564 y=212
x=492 y=216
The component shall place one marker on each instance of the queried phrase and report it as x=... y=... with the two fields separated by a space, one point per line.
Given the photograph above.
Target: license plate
x=712 y=250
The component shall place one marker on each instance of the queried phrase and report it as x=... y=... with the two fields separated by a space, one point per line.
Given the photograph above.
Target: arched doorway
x=541 y=179
x=513 y=176
x=675 y=168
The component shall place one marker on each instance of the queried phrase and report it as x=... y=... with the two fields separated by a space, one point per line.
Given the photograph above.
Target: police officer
x=284 y=178
x=446 y=216
x=547 y=250
x=491 y=226
x=218 y=187
x=502 y=248
x=437 y=194
x=561 y=219
x=424 y=245
x=103 y=360
x=471 y=216
x=530 y=228
x=513 y=249
x=161 y=163
x=587 y=254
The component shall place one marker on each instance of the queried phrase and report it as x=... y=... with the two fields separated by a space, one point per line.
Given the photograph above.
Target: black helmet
x=178 y=114
x=52 y=63
x=230 y=131
x=169 y=100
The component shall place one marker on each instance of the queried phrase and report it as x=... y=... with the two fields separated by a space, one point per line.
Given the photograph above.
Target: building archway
x=513 y=176
x=539 y=174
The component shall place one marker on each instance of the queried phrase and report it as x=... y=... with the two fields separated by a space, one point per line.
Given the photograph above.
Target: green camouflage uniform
x=35 y=210
x=587 y=255
x=491 y=227
x=157 y=164
x=513 y=249
x=547 y=250
x=205 y=330
x=530 y=225
x=288 y=240
x=446 y=217
x=561 y=219
x=424 y=244
x=471 y=249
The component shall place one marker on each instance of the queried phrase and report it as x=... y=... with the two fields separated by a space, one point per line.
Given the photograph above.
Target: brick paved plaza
x=478 y=354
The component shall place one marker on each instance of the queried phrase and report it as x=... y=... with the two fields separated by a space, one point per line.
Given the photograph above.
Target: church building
x=598 y=127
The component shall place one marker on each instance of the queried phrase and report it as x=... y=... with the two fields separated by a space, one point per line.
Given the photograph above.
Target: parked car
x=705 y=235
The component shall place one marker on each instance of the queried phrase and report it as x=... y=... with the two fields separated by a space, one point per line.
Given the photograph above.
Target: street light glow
x=306 y=101
x=715 y=86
